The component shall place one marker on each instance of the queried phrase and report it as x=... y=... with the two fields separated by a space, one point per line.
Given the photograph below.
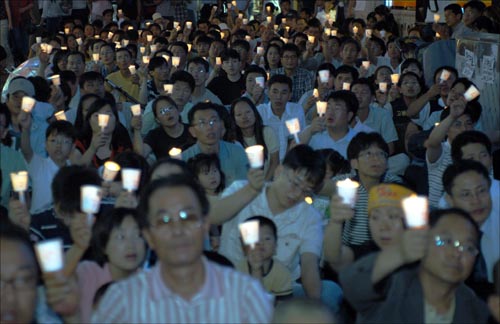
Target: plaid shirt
x=302 y=81
x=180 y=11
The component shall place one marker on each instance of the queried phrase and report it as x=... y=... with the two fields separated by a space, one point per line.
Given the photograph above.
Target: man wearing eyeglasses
x=384 y=287
x=207 y=126
x=467 y=186
x=184 y=286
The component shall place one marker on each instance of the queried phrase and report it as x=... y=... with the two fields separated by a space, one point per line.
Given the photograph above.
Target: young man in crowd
x=344 y=74
x=124 y=79
x=255 y=91
x=199 y=69
x=183 y=284
x=231 y=85
x=280 y=109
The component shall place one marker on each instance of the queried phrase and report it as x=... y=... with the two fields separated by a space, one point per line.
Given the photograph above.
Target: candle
x=255 y=156
x=103 y=120
x=142 y=49
x=260 y=81
x=148 y=23
x=293 y=126
x=240 y=16
x=355 y=30
x=27 y=104
x=324 y=75
x=438 y=35
x=153 y=48
x=166 y=58
x=283 y=21
x=382 y=33
x=66 y=30
x=248 y=38
x=233 y=3
x=348 y=189
x=275 y=28
x=346 y=86
x=245 y=21
x=316 y=93
x=445 y=75
x=79 y=41
x=471 y=93
x=168 y=88
x=176 y=60
x=311 y=39
x=56 y=80
x=321 y=108
x=50 y=255
x=416 y=211
x=334 y=32
x=136 y=110
x=90 y=199
x=175 y=153
x=145 y=59
x=189 y=24
x=269 y=19
x=38 y=40
x=64 y=48
x=130 y=179
x=130 y=28
x=149 y=38
x=394 y=78
x=95 y=57
x=125 y=42
x=328 y=31
x=308 y=200
x=250 y=232
x=49 y=49
x=368 y=33
x=189 y=47
x=110 y=171
x=436 y=124
x=260 y=50
x=110 y=35
x=19 y=183
x=176 y=24
x=382 y=86
x=365 y=64
x=287 y=28
x=436 y=18
x=132 y=69
x=120 y=11
x=60 y=115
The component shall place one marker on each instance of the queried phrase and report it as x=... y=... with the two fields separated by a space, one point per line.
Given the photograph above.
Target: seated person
x=259 y=261
x=199 y=69
x=128 y=82
x=231 y=84
x=383 y=288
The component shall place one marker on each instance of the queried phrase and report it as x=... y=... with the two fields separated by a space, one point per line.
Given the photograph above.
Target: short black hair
x=457 y=168
x=455 y=8
x=290 y=48
x=437 y=214
x=172 y=181
x=255 y=69
x=156 y=62
x=468 y=137
x=281 y=78
x=230 y=53
x=475 y=4
x=366 y=82
x=200 y=61
x=265 y=221
x=200 y=161
x=104 y=225
x=200 y=106
x=448 y=68
x=61 y=127
x=183 y=76
x=362 y=141
x=303 y=157
x=348 y=40
x=66 y=186
x=349 y=98
x=90 y=76
x=346 y=69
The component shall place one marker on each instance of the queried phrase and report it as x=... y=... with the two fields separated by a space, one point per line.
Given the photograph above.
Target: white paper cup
x=60 y=115
x=382 y=86
x=311 y=39
x=269 y=19
x=334 y=32
x=19 y=181
x=255 y=156
x=176 y=60
x=110 y=35
x=176 y=24
x=321 y=108
x=394 y=78
x=168 y=88
x=471 y=93
x=79 y=41
x=145 y=59
x=365 y=64
x=260 y=50
x=67 y=30
x=56 y=80
x=368 y=33
x=27 y=104
x=445 y=75
x=283 y=20
x=324 y=75
x=245 y=21
x=189 y=24
x=293 y=126
x=416 y=210
x=95 y=57
x=287 y=28
x=110 y=170
x=132 y=69
x=190 y=46
x=348 y=189
x=153 y=48
x=136 y=110
x=50 y=255
x=103 y=120
x=130 y=179
x=38 y=40
x=260 y=81
x=382 y=33
x=315 y=93
x=166 y=58
x=250 y=232
x=354 y=30
x=142 y=49
x=175 y=153
x=218 y=60
x=328 y=31
x=149 y=38
x=436 y=18
x=90 y=199
x=346 y=86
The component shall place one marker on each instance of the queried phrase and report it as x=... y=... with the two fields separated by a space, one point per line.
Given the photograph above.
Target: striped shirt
x=356 y=230
x=227 y=296
x=435 y=174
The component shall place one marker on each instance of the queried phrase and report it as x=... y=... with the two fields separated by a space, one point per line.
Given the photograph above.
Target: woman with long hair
x=250 y=130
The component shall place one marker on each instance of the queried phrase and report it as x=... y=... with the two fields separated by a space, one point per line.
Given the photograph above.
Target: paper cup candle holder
x=110 y=171
x=293 y=126
x=175 y=153
x=250 y=232
x=19 y=181
x=348 y=190
x=255 y=156
x=416 y=210
x=131 y=179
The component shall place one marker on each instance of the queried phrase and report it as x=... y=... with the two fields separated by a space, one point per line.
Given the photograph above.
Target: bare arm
x=311 y=280
x=25 y=122
x=9 y=15
x=416 y=106
x=274 y=161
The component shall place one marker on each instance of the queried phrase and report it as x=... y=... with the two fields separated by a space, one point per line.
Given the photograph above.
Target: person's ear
x=192 y=131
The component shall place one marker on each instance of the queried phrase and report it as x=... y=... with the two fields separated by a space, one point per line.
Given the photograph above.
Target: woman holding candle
x=97 y=144
x=272 y=57
x=250 y=130
x=394 y=54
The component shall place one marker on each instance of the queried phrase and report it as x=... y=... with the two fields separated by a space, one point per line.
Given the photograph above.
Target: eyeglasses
x=19 y=284
x=188 y=220
x=370 y=155
x=469 y=248
x=61 y=141
x=468 y=195
x=202 y=124
x=296 y=183
x=165 y=110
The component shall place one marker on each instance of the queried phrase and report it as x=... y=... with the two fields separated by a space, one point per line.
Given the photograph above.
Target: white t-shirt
x=322 y=140
x=42 y=171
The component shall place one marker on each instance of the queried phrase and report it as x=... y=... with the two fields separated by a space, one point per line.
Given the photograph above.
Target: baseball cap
x=21 y=84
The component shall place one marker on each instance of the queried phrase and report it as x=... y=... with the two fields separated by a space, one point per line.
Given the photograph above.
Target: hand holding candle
x=60 y=115
x=293 y=126
x=130 y=179
x=19 y=183
x=348 y=190
x=136 y=110
x=103 y=120
x=255 y=156
x=27 y=104
x=175 y=153
x=321 y=108
x=250 y=232
x=110 y=171
x=50 y=255
x=90 y=200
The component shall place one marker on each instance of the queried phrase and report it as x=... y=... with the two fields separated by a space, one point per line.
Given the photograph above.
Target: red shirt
x=15 y=7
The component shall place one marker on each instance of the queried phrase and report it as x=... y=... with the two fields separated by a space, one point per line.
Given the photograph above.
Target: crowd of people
x=154 y=107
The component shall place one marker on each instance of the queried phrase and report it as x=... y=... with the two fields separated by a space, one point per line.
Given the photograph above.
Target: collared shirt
x=299 y=230
x=232 y=157
x=380 y=121
x=292 y=110
x=227 y=296
x=323 y=140
x=302 y=81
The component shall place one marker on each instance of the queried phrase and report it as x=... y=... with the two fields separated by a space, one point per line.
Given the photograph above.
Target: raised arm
x=415 y=107
x=25 y=122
